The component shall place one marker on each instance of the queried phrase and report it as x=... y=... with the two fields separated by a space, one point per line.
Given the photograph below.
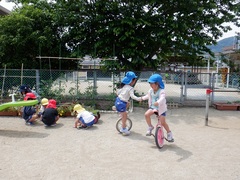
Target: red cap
x=29 y=96
x=52 y=104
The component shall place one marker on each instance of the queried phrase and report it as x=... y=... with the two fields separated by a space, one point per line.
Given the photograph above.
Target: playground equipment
x=17 y=103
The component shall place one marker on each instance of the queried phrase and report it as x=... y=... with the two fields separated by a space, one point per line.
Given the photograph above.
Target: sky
x=231 y=33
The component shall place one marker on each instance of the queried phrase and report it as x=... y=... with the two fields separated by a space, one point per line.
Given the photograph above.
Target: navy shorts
x=86 y=124
x=164 y=114
x=121 y=106
x=156 y=112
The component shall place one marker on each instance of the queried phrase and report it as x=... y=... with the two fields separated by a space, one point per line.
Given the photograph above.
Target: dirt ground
x=63 y=152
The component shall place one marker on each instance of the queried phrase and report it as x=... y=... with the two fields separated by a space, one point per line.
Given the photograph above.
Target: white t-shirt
x=126 y=92
x=42 y=108
x=87 y=116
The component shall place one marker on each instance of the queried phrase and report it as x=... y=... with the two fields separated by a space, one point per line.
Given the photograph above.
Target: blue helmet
x=156 y=78
x=129 y=77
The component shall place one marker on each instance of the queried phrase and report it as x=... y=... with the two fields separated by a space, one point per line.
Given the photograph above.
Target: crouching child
x=84 y=118
x=50 y=115
x=29 y=112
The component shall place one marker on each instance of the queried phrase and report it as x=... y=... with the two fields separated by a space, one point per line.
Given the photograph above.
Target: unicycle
x=159 y=136
x=159 y=133
x=119 y=121
x=119 y=124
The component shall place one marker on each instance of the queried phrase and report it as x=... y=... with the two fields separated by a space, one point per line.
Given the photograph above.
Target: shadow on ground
x=22 y=134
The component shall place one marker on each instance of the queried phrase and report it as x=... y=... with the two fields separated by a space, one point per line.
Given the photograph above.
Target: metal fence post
x=184 y=84
x=37 y=81
x=181 y=94
x=213 y=85
x=208 y=91
x=94 y=76
x=3 y=83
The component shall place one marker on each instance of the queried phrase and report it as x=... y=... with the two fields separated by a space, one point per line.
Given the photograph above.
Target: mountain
x=221 y=44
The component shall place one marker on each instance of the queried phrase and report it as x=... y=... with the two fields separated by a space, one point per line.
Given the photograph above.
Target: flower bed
x=11 y=111
x=227 y=106
x=8 y=113
x=65 y=109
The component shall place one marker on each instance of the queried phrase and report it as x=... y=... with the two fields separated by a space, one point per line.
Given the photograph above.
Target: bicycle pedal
x=171 y=141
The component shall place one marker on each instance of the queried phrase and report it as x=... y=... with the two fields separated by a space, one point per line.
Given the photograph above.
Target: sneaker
x=53 y=125
x=149 y=131
x=114 y=108
x=29 y=123
x=170 y=137
x=82 y=127
x=125 y=131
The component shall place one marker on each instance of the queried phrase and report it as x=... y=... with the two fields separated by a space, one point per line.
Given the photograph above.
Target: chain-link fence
x=68 y=86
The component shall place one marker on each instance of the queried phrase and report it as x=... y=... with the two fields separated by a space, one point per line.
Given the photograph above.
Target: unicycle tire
x=159 y=137
x=119 y=124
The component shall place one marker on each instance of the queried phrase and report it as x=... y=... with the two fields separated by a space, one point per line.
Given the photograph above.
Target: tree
x=28 y=32
x=134 y=31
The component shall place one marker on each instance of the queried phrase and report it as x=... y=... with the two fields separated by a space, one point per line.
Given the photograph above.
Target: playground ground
x=63 y=152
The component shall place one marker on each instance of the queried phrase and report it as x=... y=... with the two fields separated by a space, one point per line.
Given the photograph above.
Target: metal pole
x=22 y=74
x=184 y=84
x=217 y=74
x=207 y=109
x=37 y=81
x=208 y=91
x=228 y=76
x=208 y=69
x=208 y=66
x=94 y=76
x=3 y=83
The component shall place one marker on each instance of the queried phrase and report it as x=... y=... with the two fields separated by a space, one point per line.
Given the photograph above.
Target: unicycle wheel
x=159 y=137
x=119 y=124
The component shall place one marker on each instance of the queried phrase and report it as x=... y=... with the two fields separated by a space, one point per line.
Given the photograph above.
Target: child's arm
x=132 y=95
x=146 y=97
x=76 y=123
x=40 y=111
x=162 y=98
x=77 y=120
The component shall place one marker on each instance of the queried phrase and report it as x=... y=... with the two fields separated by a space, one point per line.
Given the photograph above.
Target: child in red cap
x=29 y=112
x=50 y=115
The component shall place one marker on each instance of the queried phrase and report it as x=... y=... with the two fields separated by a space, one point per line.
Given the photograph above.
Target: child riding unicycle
x=123 y=97
x=157 y=103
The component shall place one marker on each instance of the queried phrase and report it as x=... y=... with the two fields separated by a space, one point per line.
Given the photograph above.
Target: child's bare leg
x=148 y=115
x=166 y=127
x=34 y=118
x=56 y=119
x=128 y=104
x=164 y=124
x=124 y=119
